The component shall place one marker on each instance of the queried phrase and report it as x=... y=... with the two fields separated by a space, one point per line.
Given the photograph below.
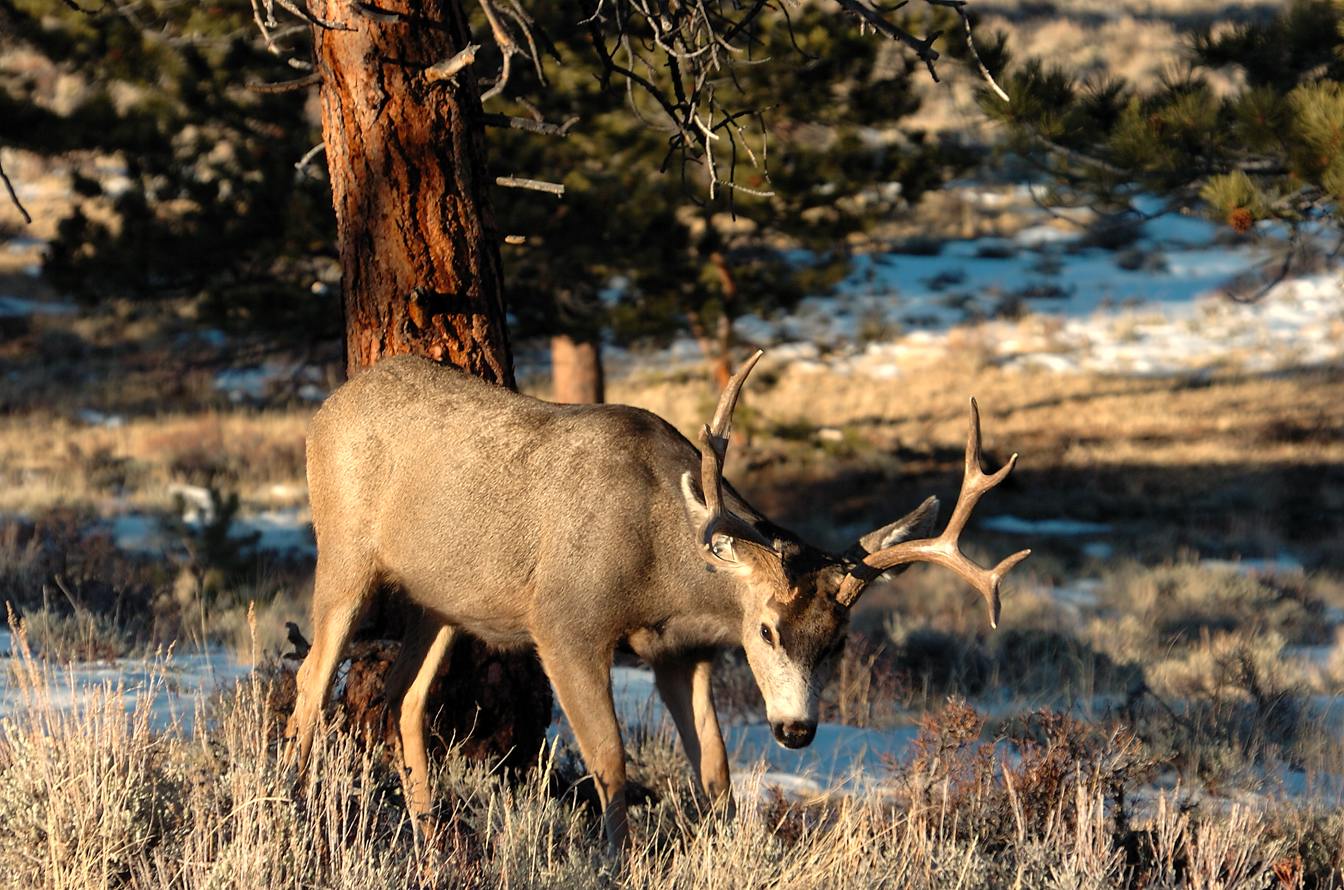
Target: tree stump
x=486 y=704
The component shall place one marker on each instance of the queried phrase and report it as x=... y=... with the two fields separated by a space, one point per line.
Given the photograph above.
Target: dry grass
x=1229 y=465
x=50 y=461
x=92 y=797
x=1069 y=419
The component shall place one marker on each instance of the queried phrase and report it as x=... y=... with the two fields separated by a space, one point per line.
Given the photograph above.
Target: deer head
x=796 y=598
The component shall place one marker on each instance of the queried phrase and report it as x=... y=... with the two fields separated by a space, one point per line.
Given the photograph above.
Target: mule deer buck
x=573 y=528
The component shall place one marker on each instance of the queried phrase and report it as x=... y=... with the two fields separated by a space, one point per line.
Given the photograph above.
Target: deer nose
x=795 y=733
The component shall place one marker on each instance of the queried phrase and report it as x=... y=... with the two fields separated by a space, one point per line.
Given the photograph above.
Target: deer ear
x=918 y=523
x=742 y=553
x=696 y=511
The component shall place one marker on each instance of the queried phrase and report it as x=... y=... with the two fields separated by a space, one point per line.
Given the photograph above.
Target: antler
x=713 y=449
x=945 y=549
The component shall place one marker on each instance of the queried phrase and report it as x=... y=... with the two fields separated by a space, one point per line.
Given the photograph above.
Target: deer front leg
x=582 y=681
x=713 y=754
x=685 y=689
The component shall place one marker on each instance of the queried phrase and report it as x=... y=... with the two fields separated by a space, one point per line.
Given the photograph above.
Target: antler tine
x=714 y=438
x=945 y=549
x=974 y=482
x=723 y=414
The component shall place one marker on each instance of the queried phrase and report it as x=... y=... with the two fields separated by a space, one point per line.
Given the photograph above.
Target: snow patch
x=287 y=530
x=1280 y=564
x=1015 y=525
x=172 y=687
x=258 y=383
x=98 y=418
x=17 y=307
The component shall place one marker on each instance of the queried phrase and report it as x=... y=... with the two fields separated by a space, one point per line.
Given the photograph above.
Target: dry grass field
x=92 y=797
x=1161 y=707
x=1154 y=711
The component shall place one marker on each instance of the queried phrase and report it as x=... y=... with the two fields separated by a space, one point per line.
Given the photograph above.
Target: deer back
x=498 y=509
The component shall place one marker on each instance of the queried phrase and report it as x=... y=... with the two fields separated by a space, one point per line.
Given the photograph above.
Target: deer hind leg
x=686 y=690
x=338 y=599
x=582 y=681
x=406 y=688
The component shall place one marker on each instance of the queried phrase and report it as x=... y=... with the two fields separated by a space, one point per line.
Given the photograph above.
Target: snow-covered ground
x=1045 y=299
x=279 y=530
x=172 y=686
x=841 y=757
x=841 y=760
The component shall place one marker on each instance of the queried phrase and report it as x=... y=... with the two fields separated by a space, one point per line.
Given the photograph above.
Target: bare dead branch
x=307 y=15
x=448 y=68
x=536 y=185
x=985 y=75
x=504 y=121
x=678 y=52
x=512 y=29
x=287 y=86
x=14 y=196
x=308 y=156
x=871 y=18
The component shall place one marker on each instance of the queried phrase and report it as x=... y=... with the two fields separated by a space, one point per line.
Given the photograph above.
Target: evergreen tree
x=648 y=246
x=1270 y=150
x=211 y=204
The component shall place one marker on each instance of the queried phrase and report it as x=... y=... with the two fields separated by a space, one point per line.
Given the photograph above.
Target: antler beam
x=945 y=550
x=714 y=438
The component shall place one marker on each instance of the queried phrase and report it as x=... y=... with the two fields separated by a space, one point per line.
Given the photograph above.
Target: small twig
x=307 y=15
x=1277 y=278
x=504 y=121
x=69 y=597
x=975 y=53
x=448 y=68
x=748 y=190
x=287 y=86
x=536 y=185
x=309 y=155
x=14 y=196
x=872 y=18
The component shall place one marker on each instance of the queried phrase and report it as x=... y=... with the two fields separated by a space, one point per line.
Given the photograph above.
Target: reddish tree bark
x=576 y=370
x=421 y=274
x=419 y=252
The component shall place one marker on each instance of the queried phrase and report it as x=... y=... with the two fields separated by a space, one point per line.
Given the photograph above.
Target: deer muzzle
x=795 y=733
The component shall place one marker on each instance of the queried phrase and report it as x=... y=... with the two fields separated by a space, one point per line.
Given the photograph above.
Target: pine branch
x=544 y=128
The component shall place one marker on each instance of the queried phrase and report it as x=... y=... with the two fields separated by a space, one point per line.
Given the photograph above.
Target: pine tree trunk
x=419 y=252
x=576 y=370
x=421 y=270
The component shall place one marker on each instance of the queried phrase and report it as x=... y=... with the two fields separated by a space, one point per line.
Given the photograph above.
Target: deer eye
x=767 y=635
